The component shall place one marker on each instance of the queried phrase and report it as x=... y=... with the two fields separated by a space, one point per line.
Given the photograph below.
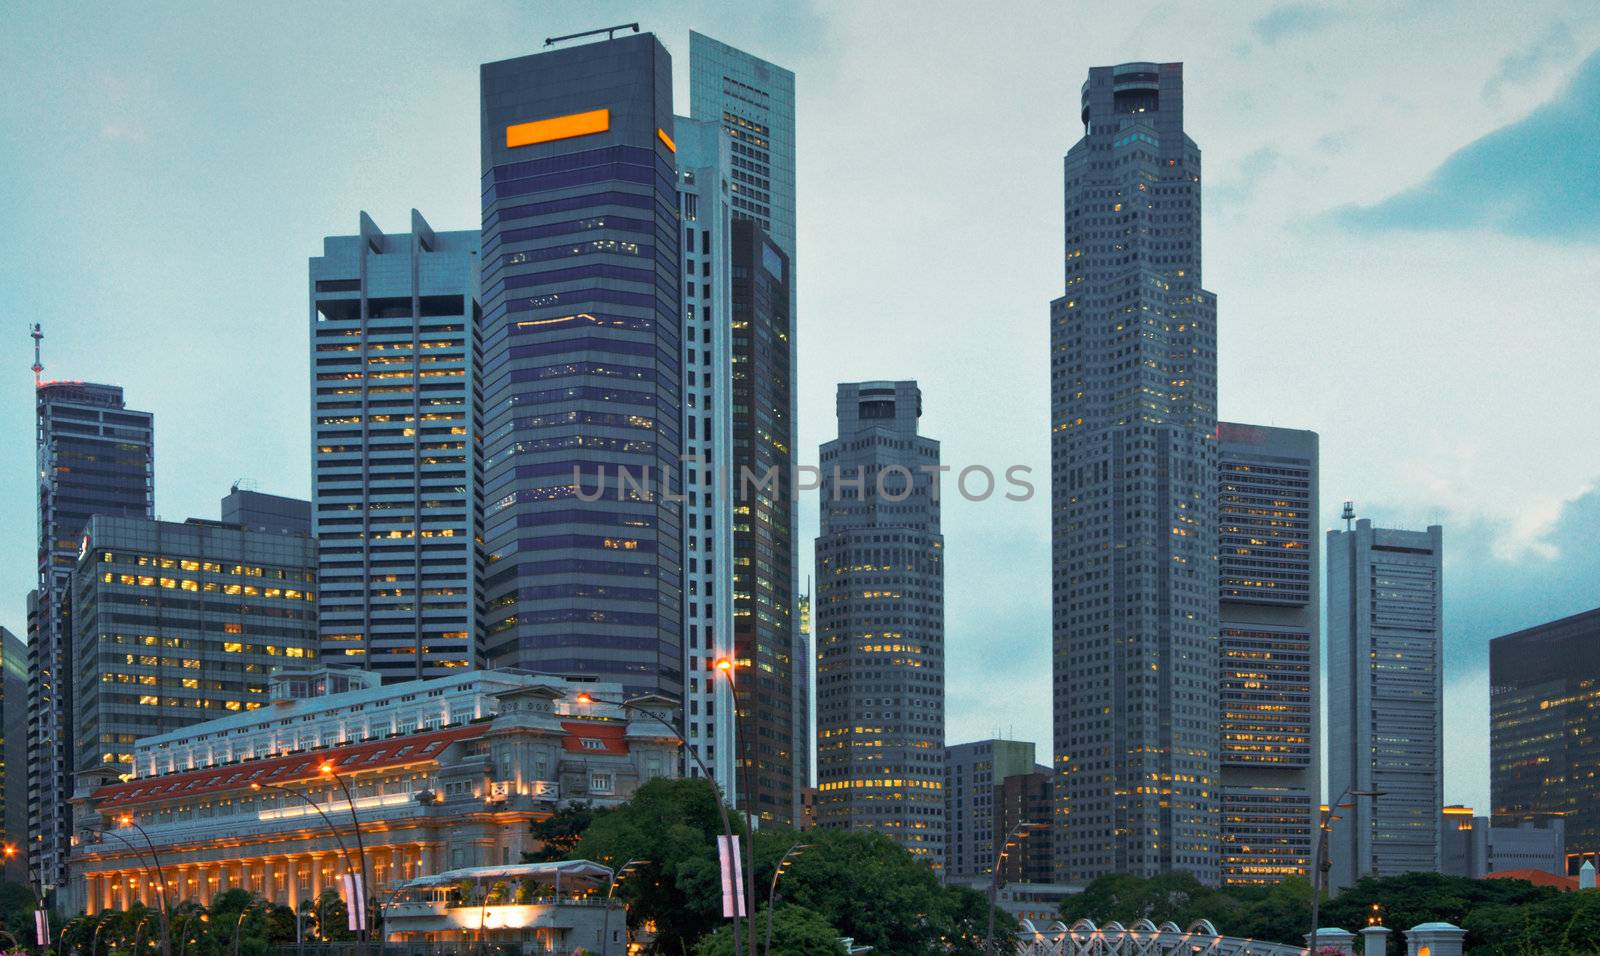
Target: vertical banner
x=732 y=876
x=41 y=927
x=355 y=901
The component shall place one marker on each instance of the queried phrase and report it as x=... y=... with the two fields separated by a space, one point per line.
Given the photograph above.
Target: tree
x=796 y=931
x=559 y=833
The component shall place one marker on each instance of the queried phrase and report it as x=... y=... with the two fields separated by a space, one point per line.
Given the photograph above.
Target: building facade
x=14 y=753
x=1544 y=720
x=1385 y=699
x=396 y=456
x=95 y=456
x=879 y=618
x=1470 y=846
x=1133 y=475
x=176 y=624
x=703 y=159
x=583 y=364
x=443 y=773
x=1270 y=643
x=255 y=511
x=973 y=776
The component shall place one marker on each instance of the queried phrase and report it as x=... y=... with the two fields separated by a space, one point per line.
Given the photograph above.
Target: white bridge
x=1143 y=938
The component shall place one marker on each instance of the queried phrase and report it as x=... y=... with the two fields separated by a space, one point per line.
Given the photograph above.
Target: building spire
x=38 y=366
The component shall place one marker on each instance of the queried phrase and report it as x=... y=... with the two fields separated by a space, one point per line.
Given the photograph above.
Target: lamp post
x=726 y=667
x=1014 y=838
x=616 y=875
x=1319 y=855
x=772 y=890
x=628 y=707
x=328 y=770
x=344 y=850
x=238 y=924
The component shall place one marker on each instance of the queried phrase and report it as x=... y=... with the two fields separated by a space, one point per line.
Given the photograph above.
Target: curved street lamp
x=327 y=770
x=1319 y=853
x=727 y=667
x=628 y=707
x=344 y=850
x=616 y=875
x=161 y=883
x=772 y=890
x=1013 y=839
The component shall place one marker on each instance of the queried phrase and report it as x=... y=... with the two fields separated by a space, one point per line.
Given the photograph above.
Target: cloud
x=1533 y=178
x=1292 y=20
x=1554 y=46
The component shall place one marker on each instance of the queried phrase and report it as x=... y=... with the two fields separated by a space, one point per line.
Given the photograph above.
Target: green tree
x=796 y=931
x=559 y=833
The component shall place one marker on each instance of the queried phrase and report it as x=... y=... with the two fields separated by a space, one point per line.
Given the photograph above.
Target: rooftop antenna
x=38 y=366
x=610 y=33
x=1349 y=514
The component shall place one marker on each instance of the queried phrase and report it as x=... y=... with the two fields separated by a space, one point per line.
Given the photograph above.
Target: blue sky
x=1401 y=224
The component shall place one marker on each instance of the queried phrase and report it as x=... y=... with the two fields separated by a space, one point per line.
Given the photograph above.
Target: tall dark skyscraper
x=1133 y=514
x=1544 y=727
x=95 y=457
x=396 y=449
x=879 y=618
x=582 y=368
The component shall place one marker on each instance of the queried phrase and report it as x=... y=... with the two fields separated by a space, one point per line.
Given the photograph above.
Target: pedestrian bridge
x=1143 y=938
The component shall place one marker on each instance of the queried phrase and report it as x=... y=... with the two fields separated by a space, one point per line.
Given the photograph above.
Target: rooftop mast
x=38 y=366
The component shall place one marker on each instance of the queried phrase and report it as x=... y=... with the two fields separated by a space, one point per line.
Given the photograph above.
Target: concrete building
x=14 y=757
x=583 y=364
x=443 y=773
x=879 y=618
x=708 y=477
x=255 y=511
x=973 y=775
x=396 y=448
x=176 y=624
x=1133 y=387
x=1469 y=846
x=95 y=456
x=1270 y=642
x=1385 y=699
x=1544 y=727
x=750 y=101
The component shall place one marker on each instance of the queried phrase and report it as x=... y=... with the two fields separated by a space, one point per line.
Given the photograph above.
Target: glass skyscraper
x=396 y=451
x=582 y=367
x=1133 y=475
x=879 y=618
x=95 y=456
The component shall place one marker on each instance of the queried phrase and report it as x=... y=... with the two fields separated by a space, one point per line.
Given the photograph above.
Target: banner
x=41 y=927
x=732 y=876
x=355 y=901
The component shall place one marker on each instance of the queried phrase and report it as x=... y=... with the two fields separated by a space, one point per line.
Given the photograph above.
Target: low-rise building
x=1469 y=846
x=442 y=774
x=533 y=908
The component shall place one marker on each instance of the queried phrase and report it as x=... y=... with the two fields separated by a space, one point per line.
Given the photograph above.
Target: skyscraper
x=752 y=102
x=973 y=775
x=257 y=511
x=1133 y=476
x=1544 y=727
x=1268 y=579
x=583 y=364
x=879 y=618
x=396 y=451
x=1385 y=699
x=95 y=456
x=708 y=476
x=14 y=753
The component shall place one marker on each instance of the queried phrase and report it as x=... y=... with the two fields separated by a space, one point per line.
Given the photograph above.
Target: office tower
x=1385 y=699
x=583 y=364
x=1027 y=799
x=1471 y=847
x=879 y=618
x=395 y=449
x=1270 y=613
x=255 y=511
x=751 y=102
x=179 y=623
x=973 y=774
x=804 y=697
x=95 y=456
x=1133 y=383
x=14 y=755
x=707 y=428
x=1544 y=727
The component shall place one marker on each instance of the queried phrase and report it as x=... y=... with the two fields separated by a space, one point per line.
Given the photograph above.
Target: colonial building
x=442 y=774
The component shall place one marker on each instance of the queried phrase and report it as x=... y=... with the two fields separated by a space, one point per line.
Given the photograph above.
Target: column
x=397 y=866
x=316 y=876
x=293 y=864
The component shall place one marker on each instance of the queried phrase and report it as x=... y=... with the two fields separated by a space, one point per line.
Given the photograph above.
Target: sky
x=1401 y=222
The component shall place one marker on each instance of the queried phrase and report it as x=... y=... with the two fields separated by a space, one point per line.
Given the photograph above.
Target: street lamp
x=127 y=820
x=628 y=707
x=1013 y=839
x=344 y=851
x=1319 y=853
x=616 y=875
x=727 y=668
x=328 y=770
x=772 y=890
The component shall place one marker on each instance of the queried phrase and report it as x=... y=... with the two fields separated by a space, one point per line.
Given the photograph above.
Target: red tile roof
x=607 y=738
x=350 y=758
x=1537 y=878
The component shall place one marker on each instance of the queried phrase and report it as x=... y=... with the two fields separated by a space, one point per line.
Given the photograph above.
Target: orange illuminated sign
x=667 y=139
x=558 y=127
